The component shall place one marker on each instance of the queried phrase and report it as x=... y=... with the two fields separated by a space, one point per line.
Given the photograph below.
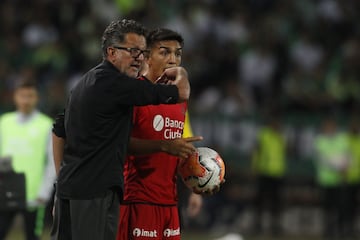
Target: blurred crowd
x=244 y=58
x=275 y=168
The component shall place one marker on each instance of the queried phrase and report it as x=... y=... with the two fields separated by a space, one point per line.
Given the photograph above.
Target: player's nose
x=172 y=58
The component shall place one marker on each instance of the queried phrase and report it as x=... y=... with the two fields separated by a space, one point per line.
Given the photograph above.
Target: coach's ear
x=111 y=54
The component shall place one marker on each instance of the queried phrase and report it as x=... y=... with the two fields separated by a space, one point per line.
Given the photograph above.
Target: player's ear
x=148 y=59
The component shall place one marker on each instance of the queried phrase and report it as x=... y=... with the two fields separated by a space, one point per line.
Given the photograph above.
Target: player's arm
x=58 y=140
x=180 y=147
x=195 y=203
x=49 y=175
x=58 y=151
x=140 y=93
x=177 y=76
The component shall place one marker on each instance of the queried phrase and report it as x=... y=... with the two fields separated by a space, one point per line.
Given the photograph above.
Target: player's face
x=125 y=60
x=25 y=99
x=163 y=55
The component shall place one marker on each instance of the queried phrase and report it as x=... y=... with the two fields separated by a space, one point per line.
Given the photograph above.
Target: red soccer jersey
x=152 y=178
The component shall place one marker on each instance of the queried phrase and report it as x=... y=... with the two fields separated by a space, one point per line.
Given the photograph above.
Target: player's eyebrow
x=167 y=48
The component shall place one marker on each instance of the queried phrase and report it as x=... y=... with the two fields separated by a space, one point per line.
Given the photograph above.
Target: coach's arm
x=58 y=141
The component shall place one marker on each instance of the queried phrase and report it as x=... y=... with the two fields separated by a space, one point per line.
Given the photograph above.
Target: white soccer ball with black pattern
x=203 y=171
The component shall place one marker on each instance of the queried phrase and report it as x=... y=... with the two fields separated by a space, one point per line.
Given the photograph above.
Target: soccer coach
x=94 y=133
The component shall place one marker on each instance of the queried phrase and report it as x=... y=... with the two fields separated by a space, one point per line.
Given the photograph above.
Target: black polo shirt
x=97 y=127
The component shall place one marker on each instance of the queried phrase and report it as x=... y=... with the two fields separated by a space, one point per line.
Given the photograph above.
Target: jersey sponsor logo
x=158 y=123
x=173 y=128
x=172 y=134
x=174 y=123
x=171 y=232
x=137 y=232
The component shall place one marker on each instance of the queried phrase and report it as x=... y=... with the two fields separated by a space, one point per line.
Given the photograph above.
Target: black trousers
x=333 y=208
x=33 y=222
x=340 y=210
x=269 y=195
x=93 y=219
x=351 y=208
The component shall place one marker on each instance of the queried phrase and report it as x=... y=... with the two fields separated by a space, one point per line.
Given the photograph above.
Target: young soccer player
x=150 y=201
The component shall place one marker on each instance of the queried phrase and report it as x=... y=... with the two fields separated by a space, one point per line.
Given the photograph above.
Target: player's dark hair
x=163 y=34
x=116 y=31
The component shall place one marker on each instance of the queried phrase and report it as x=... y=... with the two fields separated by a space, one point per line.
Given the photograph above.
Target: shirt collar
x=23 y=118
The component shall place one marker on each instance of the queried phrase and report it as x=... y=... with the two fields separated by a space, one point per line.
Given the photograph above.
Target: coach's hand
x=177 y=76
x=180 y=147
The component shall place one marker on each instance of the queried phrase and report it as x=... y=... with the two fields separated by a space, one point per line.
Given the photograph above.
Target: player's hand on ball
x=215 y=190
x=203 y=172
x=181 y=147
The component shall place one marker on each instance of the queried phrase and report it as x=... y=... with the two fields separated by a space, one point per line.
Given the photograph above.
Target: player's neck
x=151 y=77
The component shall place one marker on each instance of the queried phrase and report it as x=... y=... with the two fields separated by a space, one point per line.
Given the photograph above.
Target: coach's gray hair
x=116 y=31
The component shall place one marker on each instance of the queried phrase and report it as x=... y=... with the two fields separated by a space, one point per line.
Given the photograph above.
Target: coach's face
x=128 y=56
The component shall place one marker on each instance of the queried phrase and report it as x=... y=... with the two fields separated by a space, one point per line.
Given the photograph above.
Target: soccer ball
x=203 y=171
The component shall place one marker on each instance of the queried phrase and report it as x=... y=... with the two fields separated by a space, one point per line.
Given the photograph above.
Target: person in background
x=150 y=176
x=332 y=158
x=352 y=178
x=25 y=137
x=269 y=165
x=91 y=137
